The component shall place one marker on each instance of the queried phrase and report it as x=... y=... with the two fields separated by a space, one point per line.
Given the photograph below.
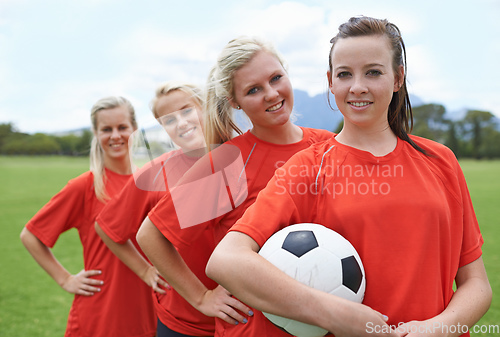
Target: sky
x=58 y=57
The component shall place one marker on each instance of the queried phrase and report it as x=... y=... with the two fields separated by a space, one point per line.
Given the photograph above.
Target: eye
x=168 y=121
x=252 y=91
x=343 y=74
x=276 y=78
x=106 y=129
x=123 y=127
x=373 y=72
x=187 y=111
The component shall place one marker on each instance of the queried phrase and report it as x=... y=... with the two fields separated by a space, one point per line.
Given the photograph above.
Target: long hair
x=219 y=122
x=400 y=114
x=96 y=152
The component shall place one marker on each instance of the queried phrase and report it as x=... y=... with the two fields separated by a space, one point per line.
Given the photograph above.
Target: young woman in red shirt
x=110 y=300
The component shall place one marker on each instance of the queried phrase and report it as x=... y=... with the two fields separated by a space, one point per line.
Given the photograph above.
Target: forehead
x=174 y=101
x=113 y=116
x=362 y=50
x=262 y=65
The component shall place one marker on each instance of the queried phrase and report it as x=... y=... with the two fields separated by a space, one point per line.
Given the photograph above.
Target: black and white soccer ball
x=320 y=258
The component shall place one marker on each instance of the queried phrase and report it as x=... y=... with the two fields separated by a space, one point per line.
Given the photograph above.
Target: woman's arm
x=170 y=264
x=129 y=255
x=236 y=265
x=80 y=284
x=469 y=303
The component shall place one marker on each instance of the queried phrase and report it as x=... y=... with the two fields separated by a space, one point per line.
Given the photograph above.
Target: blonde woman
x=249 y=75
x=109 y=300
x=177 y=106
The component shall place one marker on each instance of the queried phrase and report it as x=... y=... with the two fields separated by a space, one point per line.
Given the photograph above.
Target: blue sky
x=58 y=57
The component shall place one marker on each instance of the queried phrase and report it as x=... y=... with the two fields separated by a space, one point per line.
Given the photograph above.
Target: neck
x=120 y=166
x=378 y=142
x=288 y=133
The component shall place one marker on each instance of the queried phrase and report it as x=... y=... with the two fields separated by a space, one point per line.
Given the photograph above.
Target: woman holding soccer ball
x=416 y=236
x=249 y=75
x=100 y=306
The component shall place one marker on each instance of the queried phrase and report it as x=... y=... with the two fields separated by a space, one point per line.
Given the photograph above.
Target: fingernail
x=385 y=317
x=250 y=313
x=245 y=320
x=236 y=323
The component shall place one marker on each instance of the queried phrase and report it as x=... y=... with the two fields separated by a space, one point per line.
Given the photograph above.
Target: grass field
x=32 y=304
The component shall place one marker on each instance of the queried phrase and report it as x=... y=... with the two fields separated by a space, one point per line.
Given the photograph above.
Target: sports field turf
x=32 y=304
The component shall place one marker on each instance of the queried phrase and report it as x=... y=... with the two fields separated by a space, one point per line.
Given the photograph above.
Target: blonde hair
x=96 y=152
x=219 y=121
x=167 y=87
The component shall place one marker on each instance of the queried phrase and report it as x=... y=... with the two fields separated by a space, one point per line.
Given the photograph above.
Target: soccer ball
x=320 y=258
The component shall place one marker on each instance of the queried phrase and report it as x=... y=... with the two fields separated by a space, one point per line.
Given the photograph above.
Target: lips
x=187 y=133
x=275 y=107
x=359 y=104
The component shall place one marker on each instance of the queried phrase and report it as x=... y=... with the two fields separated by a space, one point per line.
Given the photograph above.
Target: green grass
x=484 y=186
x=32 y=304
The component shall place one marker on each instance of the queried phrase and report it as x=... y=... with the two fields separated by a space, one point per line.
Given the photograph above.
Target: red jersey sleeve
x=64 y=211
x=472 y=238
x=123 y=215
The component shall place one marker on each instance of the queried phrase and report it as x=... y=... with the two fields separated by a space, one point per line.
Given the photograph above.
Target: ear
x=399 y=78
x=232 y=103
x=330 y=84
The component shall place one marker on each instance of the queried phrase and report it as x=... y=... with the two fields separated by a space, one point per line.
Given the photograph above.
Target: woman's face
x=263 y=91
x=363 y=80
x=113 y=129
x=181 y=116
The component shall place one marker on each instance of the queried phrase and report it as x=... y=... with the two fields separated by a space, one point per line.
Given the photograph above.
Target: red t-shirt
x=123 y=306
x=122 y=218
x=259 y=161
x=409 y=216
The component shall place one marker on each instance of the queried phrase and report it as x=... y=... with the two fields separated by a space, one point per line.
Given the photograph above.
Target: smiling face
x=180 y=114
x=263 y=91
x=363 y=80
x=113 y=129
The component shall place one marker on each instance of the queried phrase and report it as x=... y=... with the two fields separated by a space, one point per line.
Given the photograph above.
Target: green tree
x=473 y=125
x=429 y=122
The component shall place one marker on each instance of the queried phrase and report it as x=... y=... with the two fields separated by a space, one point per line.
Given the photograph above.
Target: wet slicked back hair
x=400 y=115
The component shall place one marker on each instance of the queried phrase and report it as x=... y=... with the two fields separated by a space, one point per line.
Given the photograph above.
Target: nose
x=271 y=93
x=358 y=86
x=115 y=134
x=182 y=123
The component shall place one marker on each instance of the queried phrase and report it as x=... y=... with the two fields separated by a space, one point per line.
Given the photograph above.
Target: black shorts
x=163 y=331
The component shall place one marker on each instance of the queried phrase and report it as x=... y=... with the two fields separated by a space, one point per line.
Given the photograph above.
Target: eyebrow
x=371 y=65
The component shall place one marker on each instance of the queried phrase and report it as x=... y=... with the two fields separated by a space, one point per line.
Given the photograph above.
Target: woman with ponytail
x=249 y=75
x=110 y=300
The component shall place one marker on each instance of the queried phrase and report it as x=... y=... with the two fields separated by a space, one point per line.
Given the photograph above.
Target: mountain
x=315 y=111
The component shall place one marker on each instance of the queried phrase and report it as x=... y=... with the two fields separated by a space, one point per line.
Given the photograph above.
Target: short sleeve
x=64 y=211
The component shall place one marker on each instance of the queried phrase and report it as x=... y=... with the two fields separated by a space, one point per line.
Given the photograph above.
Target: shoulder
x=316 y=135
x=434 y=149
x=313 y=154
x=83 y=181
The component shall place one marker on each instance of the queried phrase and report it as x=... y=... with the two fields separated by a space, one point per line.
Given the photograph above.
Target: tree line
x=13 y=142
x=476 y=135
